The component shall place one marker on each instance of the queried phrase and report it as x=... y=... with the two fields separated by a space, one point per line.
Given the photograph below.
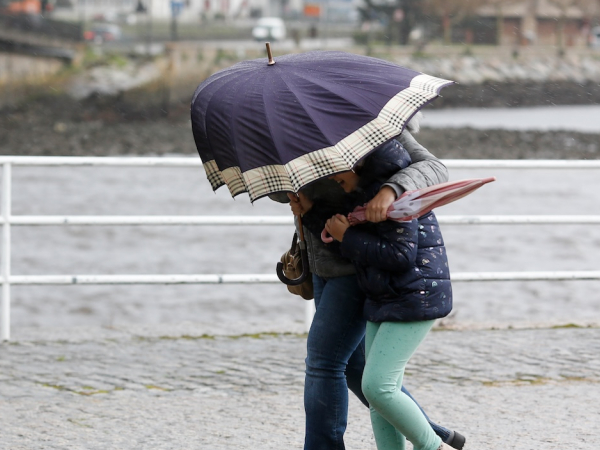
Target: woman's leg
x=336 y=332
x=389 y=346
x=354 y=372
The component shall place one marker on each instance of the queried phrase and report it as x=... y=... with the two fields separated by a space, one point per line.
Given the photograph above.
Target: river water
x=582 y=118
x=41 y=250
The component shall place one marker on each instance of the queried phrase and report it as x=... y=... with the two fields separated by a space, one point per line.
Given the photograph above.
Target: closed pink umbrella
x=413 y=204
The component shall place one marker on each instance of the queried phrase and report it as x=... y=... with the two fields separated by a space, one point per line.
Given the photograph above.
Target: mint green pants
x=395 y=416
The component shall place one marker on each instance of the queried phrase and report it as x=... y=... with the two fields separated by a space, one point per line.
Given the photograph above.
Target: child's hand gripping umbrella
x=413 y=204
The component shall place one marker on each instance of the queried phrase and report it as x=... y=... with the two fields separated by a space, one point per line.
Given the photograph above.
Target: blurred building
x=184 y=10
x=542 y=22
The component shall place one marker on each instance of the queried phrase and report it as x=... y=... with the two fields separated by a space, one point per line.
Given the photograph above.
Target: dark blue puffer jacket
x=401 y=266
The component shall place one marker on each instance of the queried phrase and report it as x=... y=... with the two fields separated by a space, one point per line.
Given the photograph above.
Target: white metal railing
x=7 y=219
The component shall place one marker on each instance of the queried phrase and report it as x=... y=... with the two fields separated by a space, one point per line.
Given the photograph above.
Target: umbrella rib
x=285 y=166
x=265 y=109
x=228 y=87
x=313 y=73
x=303 y=108
x=306 y=110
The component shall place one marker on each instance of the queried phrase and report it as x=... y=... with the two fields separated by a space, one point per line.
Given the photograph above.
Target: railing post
x=309 y=313
x=6 y=213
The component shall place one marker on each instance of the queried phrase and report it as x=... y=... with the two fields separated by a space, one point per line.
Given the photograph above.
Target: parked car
x=269 y=28
x=103 y=32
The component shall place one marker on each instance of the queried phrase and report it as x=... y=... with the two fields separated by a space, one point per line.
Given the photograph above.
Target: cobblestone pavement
x=520 y=389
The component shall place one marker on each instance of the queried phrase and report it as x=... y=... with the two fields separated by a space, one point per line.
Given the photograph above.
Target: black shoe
x=456 y=440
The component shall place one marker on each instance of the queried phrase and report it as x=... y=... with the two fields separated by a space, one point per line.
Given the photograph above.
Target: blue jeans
x=335 y=362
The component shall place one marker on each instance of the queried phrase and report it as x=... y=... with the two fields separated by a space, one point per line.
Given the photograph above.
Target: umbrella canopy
x=264 y=128
x=413 y=204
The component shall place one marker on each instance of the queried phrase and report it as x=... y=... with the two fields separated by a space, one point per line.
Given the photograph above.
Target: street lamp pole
x=176 y=7
x=149 y=29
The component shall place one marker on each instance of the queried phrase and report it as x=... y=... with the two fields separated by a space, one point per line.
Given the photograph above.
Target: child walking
x=403 y=269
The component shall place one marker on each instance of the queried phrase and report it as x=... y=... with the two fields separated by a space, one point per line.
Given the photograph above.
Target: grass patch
x=157 y=388
x=58 y=387
x=261 y=335
x=188 y=337
x=266 y=335
x=78 y=423
x=84 y=390
x=535 y=380
x=91 y=391
x=568 y=325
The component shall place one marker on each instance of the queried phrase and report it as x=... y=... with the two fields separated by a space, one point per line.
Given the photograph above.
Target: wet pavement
x=179 y=388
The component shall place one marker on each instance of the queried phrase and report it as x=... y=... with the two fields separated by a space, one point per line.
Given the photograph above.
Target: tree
x=452 y=12
x=564 y=5
x=401 y=16
x=498 y=4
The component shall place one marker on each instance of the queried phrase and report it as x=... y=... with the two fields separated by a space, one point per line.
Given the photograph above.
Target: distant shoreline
x=469 y=143
x=109 y=126
x=518 y=93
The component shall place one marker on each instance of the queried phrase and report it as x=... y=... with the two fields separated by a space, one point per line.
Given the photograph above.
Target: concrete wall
x=16 y=68
x=575 y=76
x=21 y=75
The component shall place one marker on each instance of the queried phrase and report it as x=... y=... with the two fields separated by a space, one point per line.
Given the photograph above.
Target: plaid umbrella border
x=343 y=156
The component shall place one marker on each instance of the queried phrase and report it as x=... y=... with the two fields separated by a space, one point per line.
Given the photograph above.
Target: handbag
x=292 y=268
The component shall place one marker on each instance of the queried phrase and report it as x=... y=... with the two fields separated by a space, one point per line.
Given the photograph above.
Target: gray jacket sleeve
x=425 y=170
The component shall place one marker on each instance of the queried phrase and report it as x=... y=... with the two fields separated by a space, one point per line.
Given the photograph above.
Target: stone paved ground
x=520 y=389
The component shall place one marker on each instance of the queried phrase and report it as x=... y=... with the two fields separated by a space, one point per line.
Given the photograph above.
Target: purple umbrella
x=264 y=127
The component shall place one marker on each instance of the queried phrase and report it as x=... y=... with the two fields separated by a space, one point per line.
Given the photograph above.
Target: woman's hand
x=337 y=226
x=377 y=208
x=300 y=203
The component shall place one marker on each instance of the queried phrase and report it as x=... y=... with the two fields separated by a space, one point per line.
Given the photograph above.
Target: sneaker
x=456 y=440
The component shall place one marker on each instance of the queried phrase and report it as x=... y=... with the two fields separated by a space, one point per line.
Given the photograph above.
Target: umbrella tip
x=269 y=54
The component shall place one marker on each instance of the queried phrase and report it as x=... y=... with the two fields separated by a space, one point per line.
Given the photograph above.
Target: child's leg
x=386 y=436
x=389 y=346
